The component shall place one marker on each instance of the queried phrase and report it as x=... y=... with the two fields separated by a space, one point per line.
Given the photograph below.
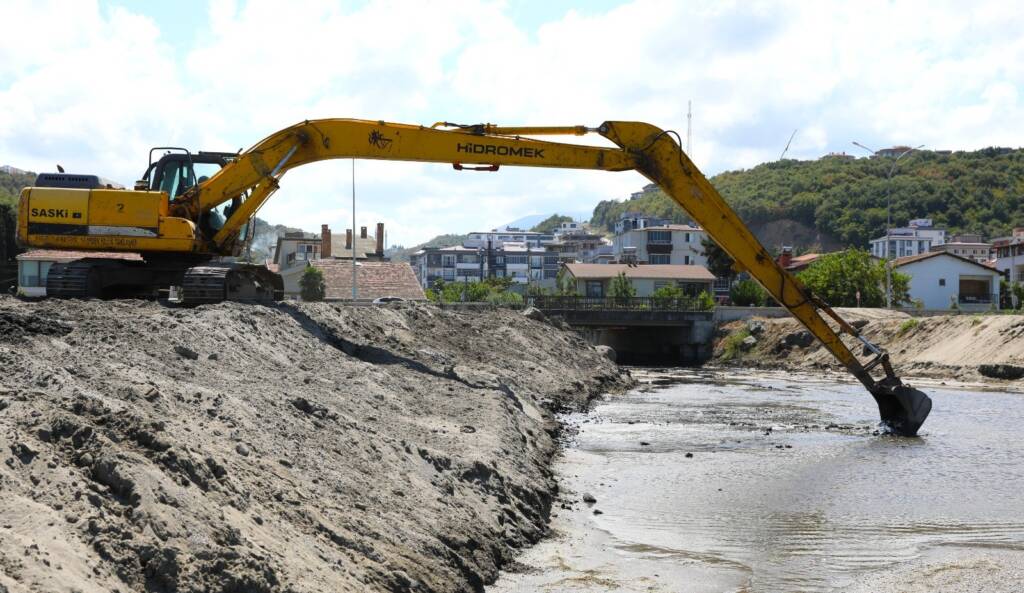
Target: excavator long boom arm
x=641 y=147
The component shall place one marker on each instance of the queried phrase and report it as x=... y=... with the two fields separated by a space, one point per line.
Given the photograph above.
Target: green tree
x=748 y=293
x=565 y=283
x=1017 y=290
x=719 y=262
x=550 y=223
x=311 y=285
x=837 y=277
x=705 y=302
x=668 y=294
x=620 y=287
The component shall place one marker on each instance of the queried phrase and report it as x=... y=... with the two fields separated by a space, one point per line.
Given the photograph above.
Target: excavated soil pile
x=305 y=447
x=974 y=348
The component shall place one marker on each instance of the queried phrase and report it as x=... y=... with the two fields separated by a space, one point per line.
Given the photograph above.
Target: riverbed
x=733 y=481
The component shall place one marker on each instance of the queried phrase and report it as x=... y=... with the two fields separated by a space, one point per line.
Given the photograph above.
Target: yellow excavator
x=190 y=209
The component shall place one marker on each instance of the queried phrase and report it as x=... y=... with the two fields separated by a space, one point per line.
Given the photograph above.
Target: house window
x=687 y=260
x=659 y=284
x=448 y=261
x=30 y=277
x=942 y=281
x=659 y=258
x=659 y=237
x=595 y=289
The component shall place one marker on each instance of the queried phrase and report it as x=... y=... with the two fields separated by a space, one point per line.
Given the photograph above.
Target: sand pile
x=976 y=348
x=303 y=447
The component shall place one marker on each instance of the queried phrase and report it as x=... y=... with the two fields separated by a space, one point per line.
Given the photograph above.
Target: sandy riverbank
x=970 y=349
x=296 y=448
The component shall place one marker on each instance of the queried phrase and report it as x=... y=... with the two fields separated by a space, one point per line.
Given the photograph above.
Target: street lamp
x=888 y=217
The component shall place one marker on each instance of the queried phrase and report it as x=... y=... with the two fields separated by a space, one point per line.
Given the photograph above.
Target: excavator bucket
x=903 y=408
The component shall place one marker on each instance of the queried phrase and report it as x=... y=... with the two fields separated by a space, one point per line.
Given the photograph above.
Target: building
x=1009 y=255
x=893 y=151
x=34 y=266
x=650 y=188
x=374 y=279
x=11 y=170
x=917 y=237
x=938 y=279
x=572 y=245
x=294 y=251
x=498 y=238
x=594 y=280
x=676 y=244
x=796 y=263
x=969 y=246
x=522 y=262
x=637 y=220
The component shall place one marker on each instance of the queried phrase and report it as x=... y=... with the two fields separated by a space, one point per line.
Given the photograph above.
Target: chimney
x=348 y=239
x=362 y=232
x=786 y=257
x=325 y=241
x=380 y=238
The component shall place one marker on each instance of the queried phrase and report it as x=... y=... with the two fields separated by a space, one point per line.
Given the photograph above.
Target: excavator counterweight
x=190 y=209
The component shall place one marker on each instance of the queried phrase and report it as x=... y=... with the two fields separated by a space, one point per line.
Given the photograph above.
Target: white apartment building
x=677 y=244
x=498 y=238
x=1009 y=252
x=918 y=237
x=969 y=246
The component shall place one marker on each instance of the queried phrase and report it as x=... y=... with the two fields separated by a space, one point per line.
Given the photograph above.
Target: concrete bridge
x=642 y=330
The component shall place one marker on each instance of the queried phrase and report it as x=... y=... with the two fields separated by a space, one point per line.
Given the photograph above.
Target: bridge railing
x=579 y=303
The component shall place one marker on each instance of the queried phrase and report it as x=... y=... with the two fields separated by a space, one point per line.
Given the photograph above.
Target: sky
x=94 y=85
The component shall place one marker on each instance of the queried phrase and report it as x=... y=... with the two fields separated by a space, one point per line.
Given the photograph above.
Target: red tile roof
x=374 y=279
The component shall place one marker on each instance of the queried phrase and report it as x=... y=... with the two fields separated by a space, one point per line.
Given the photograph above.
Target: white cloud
x=104 y=84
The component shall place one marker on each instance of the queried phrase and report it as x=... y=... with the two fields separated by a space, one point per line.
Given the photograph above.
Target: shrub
x=705 y=302
x=747 y=293
x=908 y=325
x=311 y=285
x=732 y=345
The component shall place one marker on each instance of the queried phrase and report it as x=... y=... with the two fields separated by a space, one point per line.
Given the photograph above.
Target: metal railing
x=976 y=299
x=579 y=303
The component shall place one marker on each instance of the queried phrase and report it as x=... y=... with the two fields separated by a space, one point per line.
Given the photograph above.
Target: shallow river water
x=712 y=481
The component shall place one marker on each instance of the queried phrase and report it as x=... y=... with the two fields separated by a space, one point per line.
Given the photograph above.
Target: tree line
x=964 y=192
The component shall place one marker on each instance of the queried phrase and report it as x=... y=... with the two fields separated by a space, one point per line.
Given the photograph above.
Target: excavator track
x=215 y=283
x=69 y=280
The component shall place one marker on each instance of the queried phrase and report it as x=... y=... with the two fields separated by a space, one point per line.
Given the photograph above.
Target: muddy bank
x=978 y=349
x=296 y=448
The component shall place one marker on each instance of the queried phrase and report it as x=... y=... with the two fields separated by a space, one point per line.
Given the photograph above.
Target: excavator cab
x=178 y=170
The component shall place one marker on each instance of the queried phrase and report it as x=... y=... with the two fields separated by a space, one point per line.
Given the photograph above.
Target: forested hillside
x=399 y=253
x=10 y=188
x=844 y=199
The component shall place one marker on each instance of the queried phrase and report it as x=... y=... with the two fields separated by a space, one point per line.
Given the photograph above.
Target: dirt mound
x=291 y=448
x=15 y=326
x=976 y=348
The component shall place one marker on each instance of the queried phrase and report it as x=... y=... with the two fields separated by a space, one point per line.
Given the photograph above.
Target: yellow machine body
x=101 y=220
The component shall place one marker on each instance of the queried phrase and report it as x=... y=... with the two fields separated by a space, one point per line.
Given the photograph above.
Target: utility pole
x=888 y=218
x=689 y=126
x=355 y=290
